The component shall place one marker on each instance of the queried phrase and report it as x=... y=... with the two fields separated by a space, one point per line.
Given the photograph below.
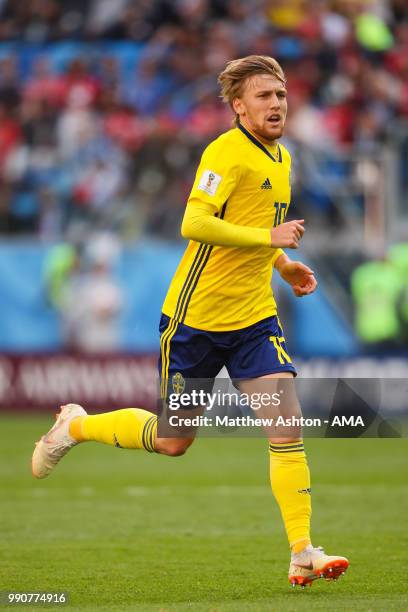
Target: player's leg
x=259 y=362
x=289 y=471
x=290 y=482
x=263 y=348
x=132 y=428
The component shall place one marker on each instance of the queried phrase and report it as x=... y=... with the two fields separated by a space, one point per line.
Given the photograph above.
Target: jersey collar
x=260 y=145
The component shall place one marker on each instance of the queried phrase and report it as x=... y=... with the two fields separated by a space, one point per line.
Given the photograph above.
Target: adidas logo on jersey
x=266 y=184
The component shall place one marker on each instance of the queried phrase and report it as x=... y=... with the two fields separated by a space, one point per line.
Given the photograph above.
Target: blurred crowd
x=105 y=105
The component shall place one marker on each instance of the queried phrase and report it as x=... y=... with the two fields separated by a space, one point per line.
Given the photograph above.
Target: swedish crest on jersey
x=178 y=382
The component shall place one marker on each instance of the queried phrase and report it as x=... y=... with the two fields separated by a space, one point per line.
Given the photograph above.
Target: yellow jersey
x=218 y=288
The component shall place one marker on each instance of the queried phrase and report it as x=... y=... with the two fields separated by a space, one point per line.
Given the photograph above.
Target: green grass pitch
x=125 y=530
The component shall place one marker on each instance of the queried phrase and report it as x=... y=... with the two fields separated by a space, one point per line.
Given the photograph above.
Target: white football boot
x=313 y=563
x=56 y=442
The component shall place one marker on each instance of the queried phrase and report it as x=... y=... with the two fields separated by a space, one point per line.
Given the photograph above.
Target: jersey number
x=280 y=213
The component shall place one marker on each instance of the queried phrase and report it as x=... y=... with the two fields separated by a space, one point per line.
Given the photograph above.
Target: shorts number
x=281 y=352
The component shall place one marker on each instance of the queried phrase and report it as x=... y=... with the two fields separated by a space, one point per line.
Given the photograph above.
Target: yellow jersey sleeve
x=217 y=176
x=277 y=254
x=201 y=225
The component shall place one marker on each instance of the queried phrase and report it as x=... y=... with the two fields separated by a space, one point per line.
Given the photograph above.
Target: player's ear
x=238 y=106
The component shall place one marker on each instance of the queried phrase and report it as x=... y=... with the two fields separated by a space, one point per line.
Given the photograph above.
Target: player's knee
x=289 y=440
x=173 y=447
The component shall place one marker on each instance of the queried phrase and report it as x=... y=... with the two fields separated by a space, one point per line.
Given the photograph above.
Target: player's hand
x=299 y=276
x=287 y=235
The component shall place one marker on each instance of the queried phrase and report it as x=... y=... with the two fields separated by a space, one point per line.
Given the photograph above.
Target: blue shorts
x=189 y=353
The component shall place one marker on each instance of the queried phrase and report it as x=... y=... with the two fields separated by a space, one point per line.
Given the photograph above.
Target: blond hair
x=233 y=78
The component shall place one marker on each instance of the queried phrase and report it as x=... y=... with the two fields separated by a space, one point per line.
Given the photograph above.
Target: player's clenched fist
x=287 y=234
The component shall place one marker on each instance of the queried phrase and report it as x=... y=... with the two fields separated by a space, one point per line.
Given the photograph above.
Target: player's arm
x=201 y=224
x=299 y=276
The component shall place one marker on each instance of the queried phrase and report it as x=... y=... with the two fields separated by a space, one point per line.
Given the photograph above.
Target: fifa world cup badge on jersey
x=178 y=382
x=209 y=182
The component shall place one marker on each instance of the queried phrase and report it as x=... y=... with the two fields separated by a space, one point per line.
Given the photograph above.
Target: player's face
x=263 y=106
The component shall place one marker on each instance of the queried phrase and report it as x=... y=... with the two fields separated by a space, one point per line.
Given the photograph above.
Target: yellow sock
x=290 y=482
x=126 y=428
